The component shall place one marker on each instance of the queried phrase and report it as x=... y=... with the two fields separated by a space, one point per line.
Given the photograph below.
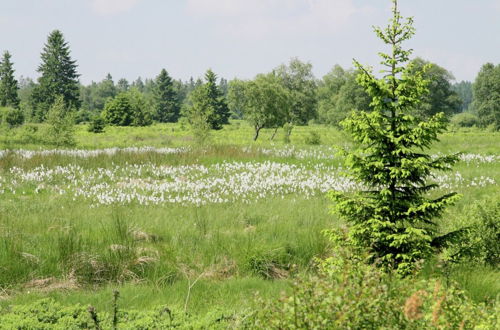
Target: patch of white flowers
x=81 y=153
x=226 y=182
x=189 y=184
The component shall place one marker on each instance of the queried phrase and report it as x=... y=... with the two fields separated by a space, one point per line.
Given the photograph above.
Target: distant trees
x=206 y=101
x=8 y=84
x=58 y=76
x=166 y=104
x=298 y=78
x=487 y=96
x=464 y=92
x=339 y=94
x=441 y=96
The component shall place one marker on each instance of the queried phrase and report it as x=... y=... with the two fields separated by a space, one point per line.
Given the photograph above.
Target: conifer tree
x=166 y=102
x=221 y=113
x=8 y=84
x=58 y=76
x=394 y=217
x=207 y=101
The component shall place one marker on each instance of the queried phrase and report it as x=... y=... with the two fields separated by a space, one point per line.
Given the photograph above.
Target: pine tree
x=221 y=113
x=58 y=76
x=393 y=217
x=166 y=102
x=8 y=84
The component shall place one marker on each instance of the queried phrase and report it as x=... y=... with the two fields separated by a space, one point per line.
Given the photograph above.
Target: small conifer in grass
x=394 y=216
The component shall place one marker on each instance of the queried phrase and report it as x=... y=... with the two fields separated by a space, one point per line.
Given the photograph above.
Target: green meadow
x=149 y=223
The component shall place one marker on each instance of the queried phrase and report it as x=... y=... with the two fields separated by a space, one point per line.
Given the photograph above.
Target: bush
x=61 y=122
x=479 y=239
x=97 y=125
x=12 y=117
x=313 y=138
x=464 y=119
x=348 y=293
x=48 y=314
x=127 y=109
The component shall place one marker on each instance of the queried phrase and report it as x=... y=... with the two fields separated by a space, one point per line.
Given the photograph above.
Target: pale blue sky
x=240 y=38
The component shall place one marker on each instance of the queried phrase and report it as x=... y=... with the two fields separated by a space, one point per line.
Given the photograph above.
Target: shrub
x=118 y=111
x=479 y=239
x=349 y=293
x=313 y=138
x=61 y=125
x=97 y=125
x=48 y=314
x=12 y=117
x=464 y=120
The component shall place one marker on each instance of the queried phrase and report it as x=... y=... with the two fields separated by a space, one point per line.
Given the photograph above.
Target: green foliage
x=464 y=119
x=206 y=101
x=464 y=91
x=61 y=120
x=58 y=77
x=298 y=78
x=441 y=96
x=392 y=216
x=97 y=125
x=313 y=138
x=487 y=95
x=8 y=84
x=236 y=98
x=12 y=117
x=348 y=293
x=118 y=111
x=478 y=241
x=339 y=94
x=266 y=102
x=127 y=109
x=48 y=314
x=167 y=106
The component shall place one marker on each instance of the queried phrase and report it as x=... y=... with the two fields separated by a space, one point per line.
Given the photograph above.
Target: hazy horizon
x=236 y=38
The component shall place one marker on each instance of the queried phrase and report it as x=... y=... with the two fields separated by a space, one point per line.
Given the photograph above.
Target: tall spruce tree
x=394 y=217
x=165 y=97
x=58 y=76
x=8 y=84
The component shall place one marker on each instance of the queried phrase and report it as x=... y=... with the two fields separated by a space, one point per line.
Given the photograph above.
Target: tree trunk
x=274 y=133
x=257 y=130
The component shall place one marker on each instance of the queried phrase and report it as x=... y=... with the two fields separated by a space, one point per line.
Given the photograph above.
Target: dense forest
x=288 y=96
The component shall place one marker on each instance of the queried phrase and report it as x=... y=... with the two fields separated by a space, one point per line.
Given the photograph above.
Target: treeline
x=287 y=96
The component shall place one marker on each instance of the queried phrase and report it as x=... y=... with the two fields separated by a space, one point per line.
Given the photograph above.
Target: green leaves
x=393 y=218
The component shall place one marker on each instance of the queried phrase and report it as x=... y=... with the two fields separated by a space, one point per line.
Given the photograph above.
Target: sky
x=241 y=38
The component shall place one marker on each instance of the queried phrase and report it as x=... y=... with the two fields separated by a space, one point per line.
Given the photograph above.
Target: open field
x=232 y=218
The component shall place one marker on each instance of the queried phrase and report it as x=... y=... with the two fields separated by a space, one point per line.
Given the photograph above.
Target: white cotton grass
x=225 y=182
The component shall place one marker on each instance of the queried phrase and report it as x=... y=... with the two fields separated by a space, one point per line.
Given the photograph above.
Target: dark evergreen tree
x=58 y=76
x=166 y=104
x=8 y=84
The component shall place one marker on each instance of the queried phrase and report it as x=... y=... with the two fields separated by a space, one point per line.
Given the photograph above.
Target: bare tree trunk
x=274 y=133
x=257 y=130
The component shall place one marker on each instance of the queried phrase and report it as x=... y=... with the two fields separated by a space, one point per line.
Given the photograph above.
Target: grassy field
x=227 y=220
